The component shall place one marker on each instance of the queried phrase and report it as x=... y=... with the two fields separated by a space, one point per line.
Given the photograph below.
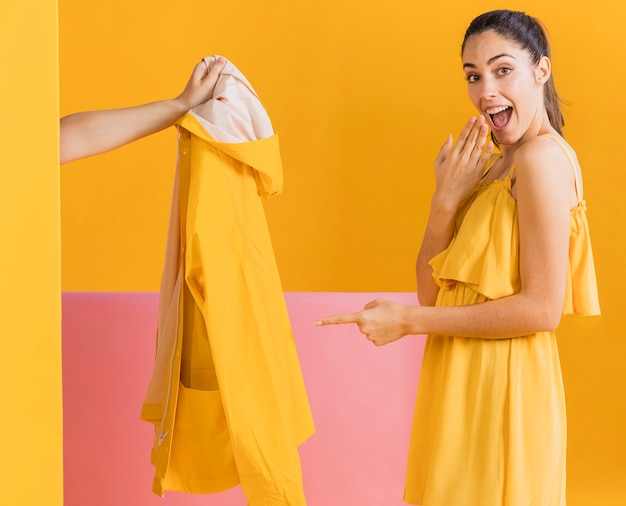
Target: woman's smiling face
x=505 y=85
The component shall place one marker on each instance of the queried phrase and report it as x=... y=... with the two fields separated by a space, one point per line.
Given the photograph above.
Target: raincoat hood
x=234 y=121
x=262 y=155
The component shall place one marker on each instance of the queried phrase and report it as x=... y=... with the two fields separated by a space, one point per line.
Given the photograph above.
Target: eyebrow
x=490 y=60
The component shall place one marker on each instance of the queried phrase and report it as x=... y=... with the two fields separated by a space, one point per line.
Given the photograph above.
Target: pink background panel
x=361 y=396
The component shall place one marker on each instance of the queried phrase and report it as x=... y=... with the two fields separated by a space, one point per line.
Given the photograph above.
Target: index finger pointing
x=338 y=319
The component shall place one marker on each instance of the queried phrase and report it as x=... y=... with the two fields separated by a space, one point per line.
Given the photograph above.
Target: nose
x=488 y=89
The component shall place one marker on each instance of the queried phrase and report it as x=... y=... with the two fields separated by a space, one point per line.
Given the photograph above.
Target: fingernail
x=318 y=322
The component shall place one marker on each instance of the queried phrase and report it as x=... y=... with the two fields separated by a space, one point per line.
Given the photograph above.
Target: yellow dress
x=490 y=427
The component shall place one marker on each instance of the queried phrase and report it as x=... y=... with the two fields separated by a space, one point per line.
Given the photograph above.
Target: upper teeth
x=496 y=110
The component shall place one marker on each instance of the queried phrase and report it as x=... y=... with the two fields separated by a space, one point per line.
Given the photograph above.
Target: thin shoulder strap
x=561 y=143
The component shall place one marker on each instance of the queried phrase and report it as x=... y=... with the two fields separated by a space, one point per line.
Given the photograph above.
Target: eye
x=472 y=78
x=504 y=71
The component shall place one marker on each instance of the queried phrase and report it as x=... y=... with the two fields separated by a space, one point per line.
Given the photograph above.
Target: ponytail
x=553 y=103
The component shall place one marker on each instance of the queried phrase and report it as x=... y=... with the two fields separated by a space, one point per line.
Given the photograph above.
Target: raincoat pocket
x=201 y=460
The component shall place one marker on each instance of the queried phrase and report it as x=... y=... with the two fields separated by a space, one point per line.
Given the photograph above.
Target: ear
x=543 y=70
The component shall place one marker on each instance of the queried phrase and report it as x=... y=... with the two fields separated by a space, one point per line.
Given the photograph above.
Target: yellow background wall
x=31 y=462
x=362 y=95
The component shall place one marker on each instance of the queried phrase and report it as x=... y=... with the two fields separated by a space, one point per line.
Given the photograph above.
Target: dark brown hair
x=530 y=34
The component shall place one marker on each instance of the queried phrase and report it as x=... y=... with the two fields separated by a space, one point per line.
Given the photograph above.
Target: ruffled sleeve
x=581 y=296
x=484 y=253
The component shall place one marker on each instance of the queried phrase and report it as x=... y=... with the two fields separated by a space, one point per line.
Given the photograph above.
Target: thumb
x=200 y=71
x=372 y=304
x=214 y=70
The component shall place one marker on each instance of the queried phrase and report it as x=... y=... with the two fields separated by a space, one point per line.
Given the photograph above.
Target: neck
x=537 y=128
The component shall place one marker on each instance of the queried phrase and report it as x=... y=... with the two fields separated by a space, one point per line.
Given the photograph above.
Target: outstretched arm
x=89 y=133
x=544 y=190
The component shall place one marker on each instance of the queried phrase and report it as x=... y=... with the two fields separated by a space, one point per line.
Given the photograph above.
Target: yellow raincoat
x=227 y=396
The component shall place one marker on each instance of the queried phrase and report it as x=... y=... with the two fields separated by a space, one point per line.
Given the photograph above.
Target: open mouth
x=500 y=116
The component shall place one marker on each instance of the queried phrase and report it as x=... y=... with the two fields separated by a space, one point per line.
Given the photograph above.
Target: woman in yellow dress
x=506 y=252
